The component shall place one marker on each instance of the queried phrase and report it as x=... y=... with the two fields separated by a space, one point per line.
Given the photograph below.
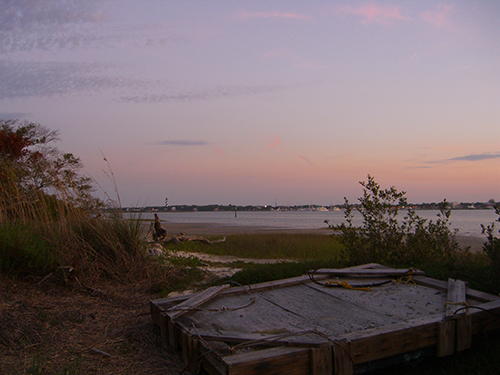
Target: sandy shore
x=210 y=229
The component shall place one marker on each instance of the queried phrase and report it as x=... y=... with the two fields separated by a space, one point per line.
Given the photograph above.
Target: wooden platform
x=313 y=325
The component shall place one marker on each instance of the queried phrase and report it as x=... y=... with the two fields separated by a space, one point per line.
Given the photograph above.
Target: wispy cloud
x=13 y=115
x=272 y=14
x=440 y=17
x=275 y=143
x=476 y=157
x=208 y=93
x=27 y=25
x=180 y=142
x=471 y=157
x=374 y=13
x=48 y=25
x=46 y=79
x=37 y=79
x=419 y=167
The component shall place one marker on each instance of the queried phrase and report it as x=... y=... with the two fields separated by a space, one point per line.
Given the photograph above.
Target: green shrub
x=384 y=238
x=492 y=245
x=23 y=252
x=259 y=273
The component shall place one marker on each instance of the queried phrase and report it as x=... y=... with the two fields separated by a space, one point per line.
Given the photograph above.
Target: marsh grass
x=297 y=246
x=42 y=234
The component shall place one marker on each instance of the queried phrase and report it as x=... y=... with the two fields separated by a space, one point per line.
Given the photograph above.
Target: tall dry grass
x=63 y=235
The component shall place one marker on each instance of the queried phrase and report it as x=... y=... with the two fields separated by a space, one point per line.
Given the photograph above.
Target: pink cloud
x=272 y=14
x=275 y=143
x=440 y=17
x=374 y=13
x=219 y=152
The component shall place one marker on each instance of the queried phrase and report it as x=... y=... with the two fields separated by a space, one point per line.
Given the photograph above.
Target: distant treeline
x=218 y=207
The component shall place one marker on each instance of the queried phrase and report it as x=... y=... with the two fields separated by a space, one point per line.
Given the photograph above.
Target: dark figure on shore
x=159 y=233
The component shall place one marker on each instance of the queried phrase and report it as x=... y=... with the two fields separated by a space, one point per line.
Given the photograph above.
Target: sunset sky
x=252 y=102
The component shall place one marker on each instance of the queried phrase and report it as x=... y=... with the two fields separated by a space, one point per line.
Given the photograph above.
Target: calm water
x=468 y=222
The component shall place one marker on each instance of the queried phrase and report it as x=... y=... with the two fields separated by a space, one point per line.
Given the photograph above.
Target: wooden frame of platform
x=312 y=325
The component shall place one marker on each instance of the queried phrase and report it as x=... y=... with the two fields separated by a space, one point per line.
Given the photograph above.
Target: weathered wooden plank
x=481 y=296
x=443 y=285
x=390 y=302
x=273 y=361
x=463 y=332
x=321 y=361
x=163 y=324
x=195 y=301
x=170 y=301
x=390 y=272
x=172 y=334
x=155 y=312
x=292 y=310
x=342 y=358
x=310 y=340
x=485 y=319
x=456 y=296
x=210 y=361
x=446 y=338
x=166 y=303
x=394 y=339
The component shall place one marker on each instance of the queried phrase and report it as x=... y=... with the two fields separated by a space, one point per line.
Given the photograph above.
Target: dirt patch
x=54 y=329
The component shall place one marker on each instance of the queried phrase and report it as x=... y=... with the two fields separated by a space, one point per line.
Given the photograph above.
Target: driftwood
x=181 y=237
x=160 y=235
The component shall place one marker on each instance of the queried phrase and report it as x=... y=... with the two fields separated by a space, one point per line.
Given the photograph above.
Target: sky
x=262 y=102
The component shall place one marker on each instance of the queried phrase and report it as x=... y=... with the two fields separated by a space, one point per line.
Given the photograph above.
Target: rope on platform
x=364 y=287
x=410 y=273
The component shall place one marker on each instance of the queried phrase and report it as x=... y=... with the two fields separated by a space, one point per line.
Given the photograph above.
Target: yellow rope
x=410 y=272
x=345 y=284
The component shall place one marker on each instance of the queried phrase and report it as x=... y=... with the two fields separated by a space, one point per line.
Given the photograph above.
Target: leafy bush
x=384 y=238
x=24 y=252
x=492 y=245
x=57 y=222
x=259 y=273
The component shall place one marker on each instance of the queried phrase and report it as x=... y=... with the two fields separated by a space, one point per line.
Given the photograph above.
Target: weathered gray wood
x=389 y=320
x=155 y=312
x=172 y=336
x=194 y=355
x=446 y=338
x=343 y=361
x=390 y=272
x=386 y=341
x=235 y=337
x=167 y=303
x=210 y=361
x=163 y=324
x=443 y=285
x=463 y=332
x=333 y=311
x=456 y=296
x=487 y=318
x=195 y=301
x=321 y=361
x=274 y=361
